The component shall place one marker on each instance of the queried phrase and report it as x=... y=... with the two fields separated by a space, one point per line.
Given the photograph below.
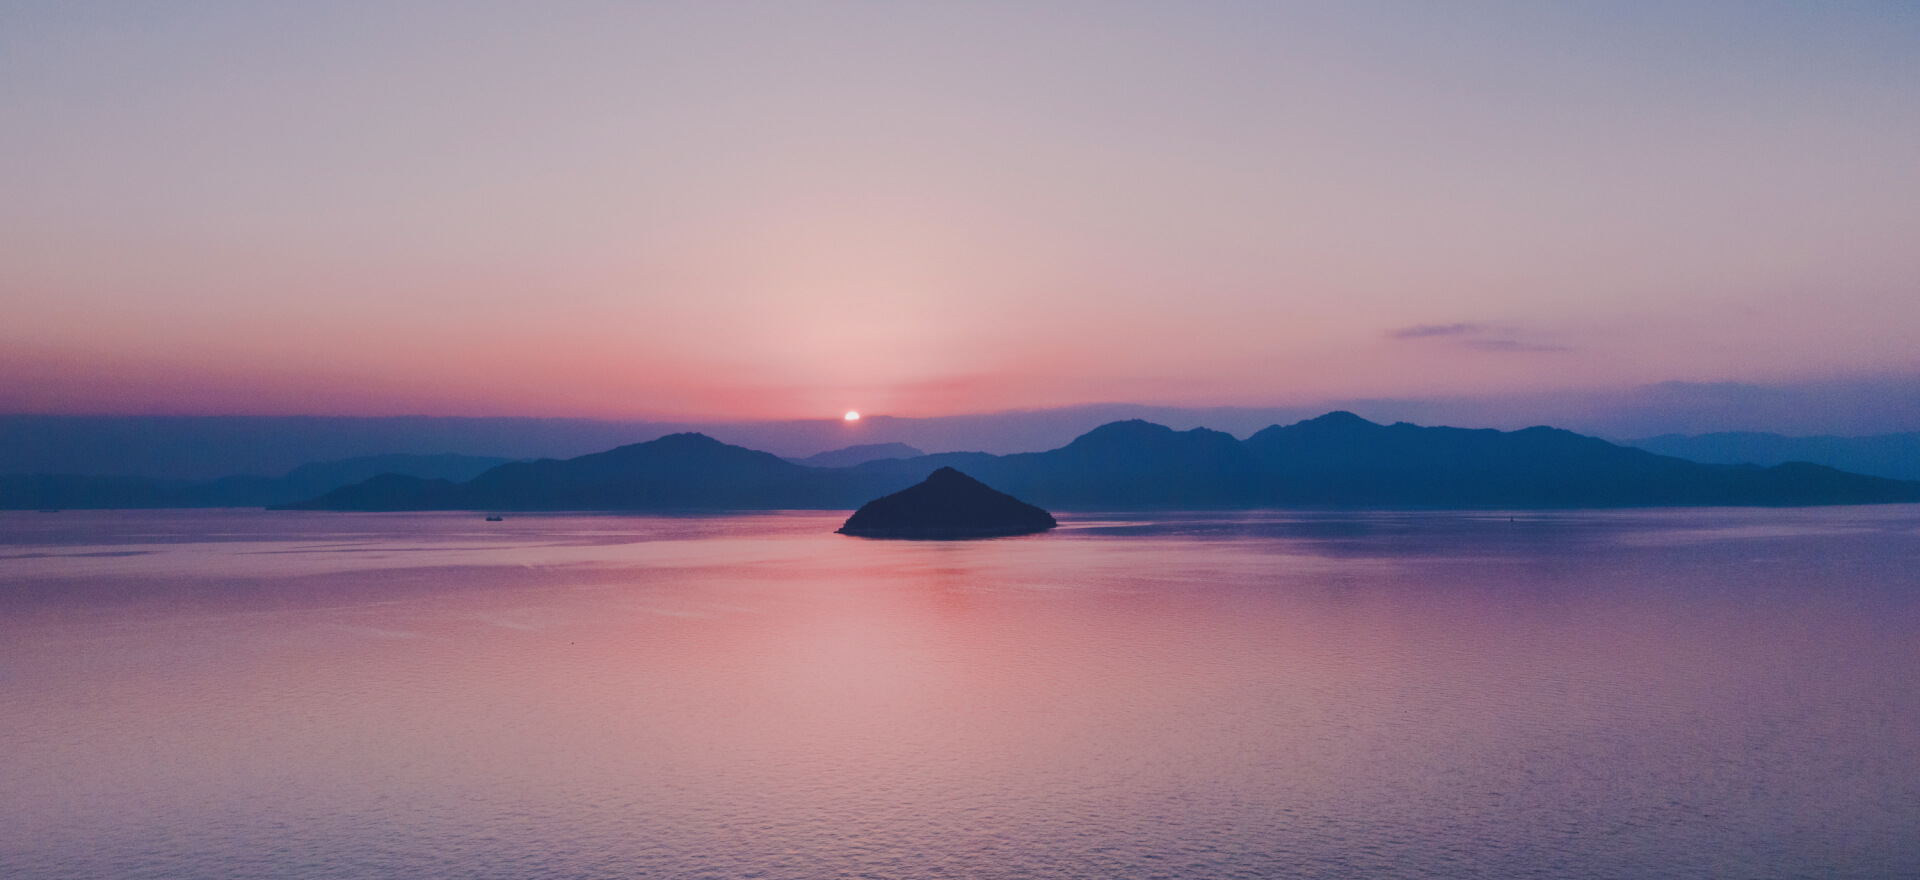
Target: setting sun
x=852 y=416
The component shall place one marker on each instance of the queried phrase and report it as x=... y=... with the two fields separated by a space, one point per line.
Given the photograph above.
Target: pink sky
x=727 y=213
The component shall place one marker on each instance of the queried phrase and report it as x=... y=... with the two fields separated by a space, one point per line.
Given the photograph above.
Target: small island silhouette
x=947 y=505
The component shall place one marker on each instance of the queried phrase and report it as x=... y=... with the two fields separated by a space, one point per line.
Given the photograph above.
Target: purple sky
x=771 y=212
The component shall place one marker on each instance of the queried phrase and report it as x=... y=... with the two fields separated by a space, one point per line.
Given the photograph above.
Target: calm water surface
x=1622 y=694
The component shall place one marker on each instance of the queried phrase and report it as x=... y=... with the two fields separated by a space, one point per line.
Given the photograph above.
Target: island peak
x=947 y=505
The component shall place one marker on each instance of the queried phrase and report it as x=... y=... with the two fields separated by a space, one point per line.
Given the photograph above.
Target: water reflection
x=1612 y=694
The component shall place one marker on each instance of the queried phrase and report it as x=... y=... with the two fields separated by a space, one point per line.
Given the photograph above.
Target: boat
x=492 y=518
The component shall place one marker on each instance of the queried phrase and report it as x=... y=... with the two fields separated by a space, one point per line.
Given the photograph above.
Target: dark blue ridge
x=81 y=491
x=1336 y=460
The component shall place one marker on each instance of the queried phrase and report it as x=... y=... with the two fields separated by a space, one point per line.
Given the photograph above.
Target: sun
x=852 y=416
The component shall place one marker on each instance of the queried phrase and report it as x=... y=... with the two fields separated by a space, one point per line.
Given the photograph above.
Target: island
x=947 y=505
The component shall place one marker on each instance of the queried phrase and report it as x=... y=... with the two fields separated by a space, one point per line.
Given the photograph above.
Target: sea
x=1685 y=693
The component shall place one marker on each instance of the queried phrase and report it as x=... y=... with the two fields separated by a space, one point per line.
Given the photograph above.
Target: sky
x=784 y=211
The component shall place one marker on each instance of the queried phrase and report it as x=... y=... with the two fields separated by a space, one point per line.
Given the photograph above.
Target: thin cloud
x=1423 y=331
x=1479 y=337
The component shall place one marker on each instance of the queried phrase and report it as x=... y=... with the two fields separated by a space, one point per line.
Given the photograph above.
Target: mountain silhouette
x=78 y=491
x=947 y=504
x=1335 y=460
x=860 y=454
x=1896 y=456
x=676 y=472
x=1342 y=459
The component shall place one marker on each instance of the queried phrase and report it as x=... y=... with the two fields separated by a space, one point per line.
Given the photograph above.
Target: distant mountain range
x=73 y=491
x=1336 y=460
x=1884 y=455
x=190 y=447
x=860 y=454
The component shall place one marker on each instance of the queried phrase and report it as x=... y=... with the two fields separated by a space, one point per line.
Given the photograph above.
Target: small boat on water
x=493 y=518
x=51 y=510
